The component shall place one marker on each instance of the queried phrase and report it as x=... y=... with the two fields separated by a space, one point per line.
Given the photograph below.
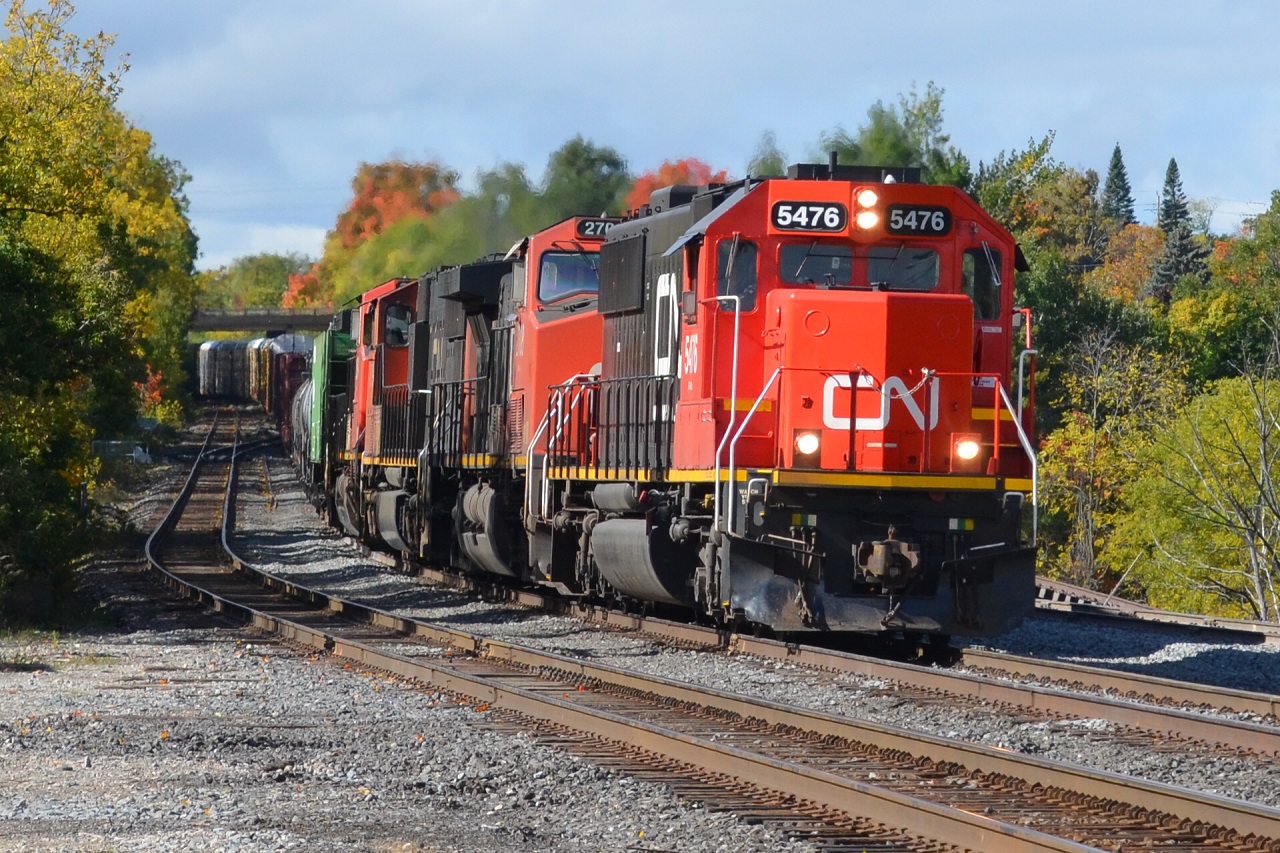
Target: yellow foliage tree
x=96 y=259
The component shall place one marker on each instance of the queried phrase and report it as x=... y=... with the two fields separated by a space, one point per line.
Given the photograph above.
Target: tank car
x=789 y=402
x=326 y=453
x=299 y=423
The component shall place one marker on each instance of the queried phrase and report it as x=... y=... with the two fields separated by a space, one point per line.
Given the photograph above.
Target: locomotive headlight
x=807 y=443
x=867 y=198
x=867 y=219
x=967 y=448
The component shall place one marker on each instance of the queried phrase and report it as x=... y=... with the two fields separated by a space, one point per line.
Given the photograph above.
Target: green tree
x=1205 y=521
x=906 y=134
x=1117 y=196
x=254 y=281
x=768 y=161
x=1183 y=255
x=584 y=179
x=1114 y=396
x=1225 y=320
x=1173 y=209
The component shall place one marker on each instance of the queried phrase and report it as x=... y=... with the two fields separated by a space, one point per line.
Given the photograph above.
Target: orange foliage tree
x=690 y=170
x=305 y=290
x=385 y=193
x=382 y=195
x=1130 y=256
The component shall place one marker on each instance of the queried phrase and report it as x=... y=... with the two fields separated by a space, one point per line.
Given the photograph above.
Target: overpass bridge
x=262 y=320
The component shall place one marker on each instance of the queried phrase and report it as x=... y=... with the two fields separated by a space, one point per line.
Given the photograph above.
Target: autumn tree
x=1114 y=396
x=1126 y=265
x=1005 y=186
x=383 y=195
x=97 y=257
x=690 y=171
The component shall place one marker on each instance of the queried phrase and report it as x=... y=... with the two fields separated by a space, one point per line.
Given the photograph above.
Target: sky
x=272 y=105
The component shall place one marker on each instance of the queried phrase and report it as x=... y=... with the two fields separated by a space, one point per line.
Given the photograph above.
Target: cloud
x=266 y=103
x=222 y=241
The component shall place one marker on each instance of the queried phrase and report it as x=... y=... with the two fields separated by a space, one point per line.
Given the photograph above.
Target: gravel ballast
x=159 y=736
x=321 y=558
x=162 y=736
x=208 y=740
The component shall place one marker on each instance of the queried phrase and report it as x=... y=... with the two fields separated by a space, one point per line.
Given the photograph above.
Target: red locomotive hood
x=858 y=361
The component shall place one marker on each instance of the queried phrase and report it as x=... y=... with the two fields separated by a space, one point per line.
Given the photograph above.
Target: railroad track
x=1058 y=597
x=851 y=783
x=1167 y=714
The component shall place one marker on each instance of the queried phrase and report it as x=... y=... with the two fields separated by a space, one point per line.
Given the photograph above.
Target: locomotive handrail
x=733 y=446
x=995 y=420
x=1035 y=470
x=733 y=396
x=533 y=442
x=1022 y=360
x=562 y=420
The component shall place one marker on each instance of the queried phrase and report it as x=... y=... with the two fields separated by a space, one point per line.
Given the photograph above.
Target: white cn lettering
x=892 y=389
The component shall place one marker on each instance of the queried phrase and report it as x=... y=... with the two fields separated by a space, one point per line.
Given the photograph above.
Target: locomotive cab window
x=981 y=282
x=565 y=274
x=366 y=329
x=816 y=263
x=395 y=329
x=736 y=273
x=902 y=267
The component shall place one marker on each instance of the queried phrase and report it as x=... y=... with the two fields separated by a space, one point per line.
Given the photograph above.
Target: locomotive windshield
x=395 y=331
x=736 y=273
x=564 y=274
x=903 y=267
x=816 y=263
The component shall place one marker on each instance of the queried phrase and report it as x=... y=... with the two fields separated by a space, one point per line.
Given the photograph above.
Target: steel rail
x=1076 y=600
x=953 y=824
x=1128 y=684
x=821 y=787
x=1170 y=721
x=1174 y=722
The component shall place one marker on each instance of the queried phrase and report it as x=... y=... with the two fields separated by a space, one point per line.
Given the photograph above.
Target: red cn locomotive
x=790 y=402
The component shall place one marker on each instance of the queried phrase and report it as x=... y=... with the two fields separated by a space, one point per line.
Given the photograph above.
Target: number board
x=917 y=219
x=595 y=229
x=809 y=216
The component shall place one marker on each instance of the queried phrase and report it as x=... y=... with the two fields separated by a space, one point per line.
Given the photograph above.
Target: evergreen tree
x=1173 y=201
x=1183 y=255
x=1117 y=197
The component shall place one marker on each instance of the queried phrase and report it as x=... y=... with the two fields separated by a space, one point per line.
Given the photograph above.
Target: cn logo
x=892 y=389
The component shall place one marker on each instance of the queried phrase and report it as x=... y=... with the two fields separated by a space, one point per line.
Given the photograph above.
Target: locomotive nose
x=881 y=365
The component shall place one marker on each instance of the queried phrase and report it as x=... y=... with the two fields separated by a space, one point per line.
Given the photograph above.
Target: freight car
x=788 y=402
x=222 y=370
